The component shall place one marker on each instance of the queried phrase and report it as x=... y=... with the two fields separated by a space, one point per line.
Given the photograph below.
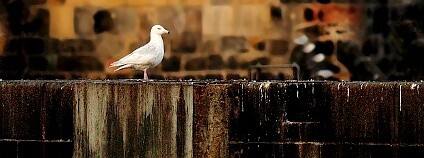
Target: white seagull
x=147 y=56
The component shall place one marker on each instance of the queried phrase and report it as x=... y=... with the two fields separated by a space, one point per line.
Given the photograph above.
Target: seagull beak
x=167 y=32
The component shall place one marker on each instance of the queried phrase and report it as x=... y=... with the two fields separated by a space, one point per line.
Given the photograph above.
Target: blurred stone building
x=214 y=39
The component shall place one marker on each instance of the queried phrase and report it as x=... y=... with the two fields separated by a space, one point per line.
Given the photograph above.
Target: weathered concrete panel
x=411 y=113
x=136 y=119
x=35 y=110
x=36 y=119
x=275 y=111
x=129 y=119
x=8 y=149
x=132 y=118
x=35 y=149
x=20 y=116
x=210 y=120
x=362 y=112
x=357 y=150
x=363 y=117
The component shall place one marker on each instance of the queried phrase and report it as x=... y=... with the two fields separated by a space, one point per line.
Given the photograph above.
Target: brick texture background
x=214 y=39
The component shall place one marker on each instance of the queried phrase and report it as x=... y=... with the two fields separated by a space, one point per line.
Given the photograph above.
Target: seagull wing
x=141 y=56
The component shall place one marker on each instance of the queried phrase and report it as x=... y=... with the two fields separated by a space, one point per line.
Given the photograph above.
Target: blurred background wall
x=214 y=39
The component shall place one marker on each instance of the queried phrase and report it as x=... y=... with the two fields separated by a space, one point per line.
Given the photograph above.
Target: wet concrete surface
x=338 y=119
x=134 y=118
x=35 y=119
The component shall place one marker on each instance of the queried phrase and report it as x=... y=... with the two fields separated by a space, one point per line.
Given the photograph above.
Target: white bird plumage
x=147 y=56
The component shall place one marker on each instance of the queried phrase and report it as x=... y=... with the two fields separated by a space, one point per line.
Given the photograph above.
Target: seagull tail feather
x=123 y=67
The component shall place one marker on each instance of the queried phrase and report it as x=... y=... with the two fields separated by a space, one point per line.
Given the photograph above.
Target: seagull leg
x=145 y=74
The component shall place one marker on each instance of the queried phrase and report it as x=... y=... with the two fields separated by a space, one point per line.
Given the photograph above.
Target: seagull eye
x=158 y=28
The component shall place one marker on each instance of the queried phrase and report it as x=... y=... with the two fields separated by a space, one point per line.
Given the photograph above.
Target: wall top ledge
x=206 y=82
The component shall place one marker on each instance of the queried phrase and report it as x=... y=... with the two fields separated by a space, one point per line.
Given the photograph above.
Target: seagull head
x=159 y=30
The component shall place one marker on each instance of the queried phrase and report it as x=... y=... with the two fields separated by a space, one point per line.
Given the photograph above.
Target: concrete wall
x=130 y=118
x=213 y=39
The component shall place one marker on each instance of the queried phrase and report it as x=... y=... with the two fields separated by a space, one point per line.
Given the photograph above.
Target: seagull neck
x=156 y=38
